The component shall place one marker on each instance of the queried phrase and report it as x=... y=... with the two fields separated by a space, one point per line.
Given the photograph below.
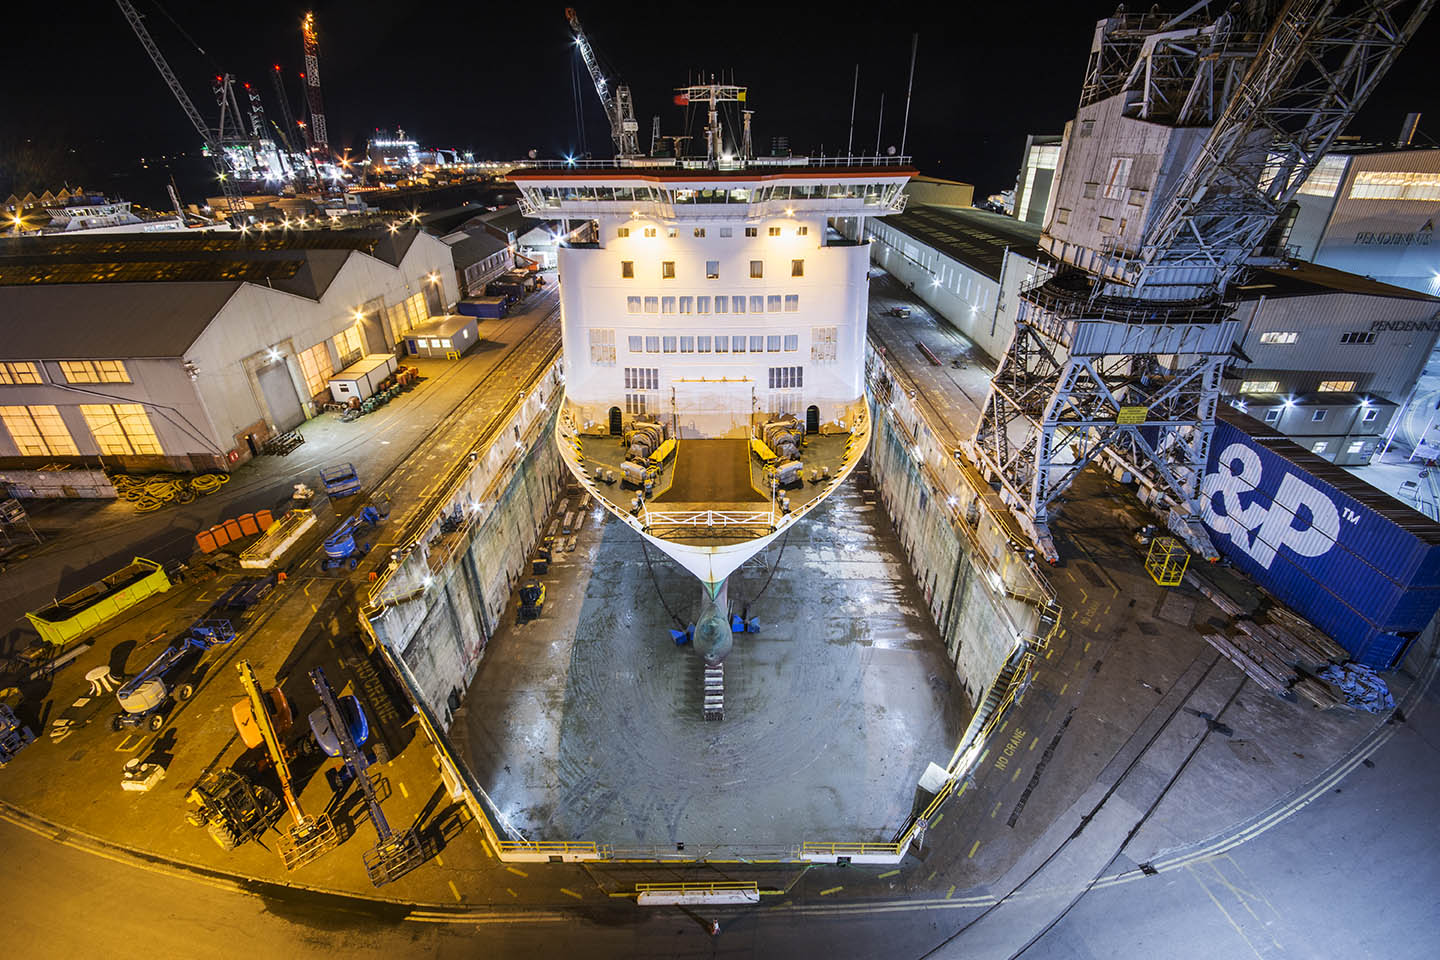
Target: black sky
x=81 y=99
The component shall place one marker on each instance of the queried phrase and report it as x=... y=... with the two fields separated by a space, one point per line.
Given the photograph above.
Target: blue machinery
x=340 y=546
x=340 y=480
x=145 y=696
x=340 y=728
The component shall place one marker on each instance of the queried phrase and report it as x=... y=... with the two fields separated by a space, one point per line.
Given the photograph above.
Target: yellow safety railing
x=549 y=848
x=824 y=848
x=716 y=886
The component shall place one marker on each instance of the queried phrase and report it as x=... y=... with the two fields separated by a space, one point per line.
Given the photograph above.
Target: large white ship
x=714 y=336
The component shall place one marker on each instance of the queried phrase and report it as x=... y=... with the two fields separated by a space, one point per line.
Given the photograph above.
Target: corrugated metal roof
x=110 y=321
x=976 y=238
x=1301 y=279
x=473 y=245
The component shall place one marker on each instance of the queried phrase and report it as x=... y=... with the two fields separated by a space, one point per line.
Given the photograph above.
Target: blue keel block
x=682 y=637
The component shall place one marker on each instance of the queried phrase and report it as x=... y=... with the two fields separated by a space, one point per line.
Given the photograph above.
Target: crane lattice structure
x=1123 y=358
x=615 y=98
x=228 y=186
x=288 y=128
x=319 y=136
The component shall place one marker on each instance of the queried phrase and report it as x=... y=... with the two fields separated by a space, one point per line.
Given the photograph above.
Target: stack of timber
x=1277 y=649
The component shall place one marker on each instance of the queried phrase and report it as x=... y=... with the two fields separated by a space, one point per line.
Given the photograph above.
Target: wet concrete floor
x=586 y=723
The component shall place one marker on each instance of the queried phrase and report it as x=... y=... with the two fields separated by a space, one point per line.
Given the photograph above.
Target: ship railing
x=700 y=163
x=708 y=518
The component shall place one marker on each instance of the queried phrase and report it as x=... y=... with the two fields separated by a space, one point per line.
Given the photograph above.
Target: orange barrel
x=205 y=540
x=263 y=519
x=221 y=536
x=233 y=529
x=247 y=524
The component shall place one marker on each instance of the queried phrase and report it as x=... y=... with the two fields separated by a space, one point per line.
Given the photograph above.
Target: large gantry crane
x=615 y=98
x=1118 y=354
x=213 y=147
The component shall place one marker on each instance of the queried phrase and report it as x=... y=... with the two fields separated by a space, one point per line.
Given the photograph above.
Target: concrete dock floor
x=587 y=723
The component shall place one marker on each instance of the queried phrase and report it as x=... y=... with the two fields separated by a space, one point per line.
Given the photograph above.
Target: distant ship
x=714 y=337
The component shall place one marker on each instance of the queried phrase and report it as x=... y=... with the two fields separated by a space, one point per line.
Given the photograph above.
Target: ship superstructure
x=714 y=332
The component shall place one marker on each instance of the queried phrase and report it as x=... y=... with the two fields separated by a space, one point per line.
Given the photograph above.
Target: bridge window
x=627 y=269
x=722 y=343
x=787 y=378
x=1337 y=386
x=1280 y=336
x=757 y=269
x=712 y=269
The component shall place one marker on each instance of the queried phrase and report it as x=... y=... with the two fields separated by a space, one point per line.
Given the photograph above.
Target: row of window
x=699 y=232
x=648 y=378
x=1272 y=416
x=712 y=269
x=771 y=303
x=1273 y=386
x=75 y=371
x=1281 y=337
x=720 y=343
x=119 y=429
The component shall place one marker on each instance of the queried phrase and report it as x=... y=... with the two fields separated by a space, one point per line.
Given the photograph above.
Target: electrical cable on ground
x=658 y=592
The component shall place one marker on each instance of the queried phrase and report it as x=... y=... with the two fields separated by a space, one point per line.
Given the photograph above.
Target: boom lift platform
x=145 y=698
x=340 y=546
x=341 y=729
x=309 y=837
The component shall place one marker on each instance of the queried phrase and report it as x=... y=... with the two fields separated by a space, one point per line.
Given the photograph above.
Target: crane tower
x=615 y=98
x=319 y=137
x=1193 y=134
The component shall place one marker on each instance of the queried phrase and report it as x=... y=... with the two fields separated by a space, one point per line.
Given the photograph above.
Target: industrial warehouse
x=190 y=353
x=715 y=522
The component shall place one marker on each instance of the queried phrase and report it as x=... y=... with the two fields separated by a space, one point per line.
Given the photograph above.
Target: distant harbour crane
x=615 y=98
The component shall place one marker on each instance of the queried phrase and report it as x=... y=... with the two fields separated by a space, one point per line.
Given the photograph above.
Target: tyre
x=186 y=691
x=155 y=722
x=224 y=836
x=115 y=723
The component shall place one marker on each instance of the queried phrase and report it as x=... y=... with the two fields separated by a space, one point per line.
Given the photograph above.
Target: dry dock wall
x=437 y=605
x=982 y=593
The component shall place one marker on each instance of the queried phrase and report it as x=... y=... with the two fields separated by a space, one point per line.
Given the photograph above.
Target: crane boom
x=619 y=105
x=212 y=143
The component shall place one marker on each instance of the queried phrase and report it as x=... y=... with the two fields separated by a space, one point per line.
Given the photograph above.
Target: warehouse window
x=94 y=371
x=792 y=302
x=1317 y=416
x=1357 y=336
x=737 y=344
x=1280 y=336
x=1325 y=179
x=1272 y=416
x=757 y=304
x=712 y=269
x=652 y=344
x=1321 y=446
x=348 y=345
x=642 y=378
x=637 y=344
x=1090 y=191
x=38 y=431
x=602 y=348
x=722 y=343
x=1395 y=185
x=1337 y=386
x=12 y=374
x=1355 y=447
x=121 y=429
x=1370 y=415
x=792 y=342
x=1062 y=215
x=667 y=269
x=315 y=364
x=1137 y=197
x=627 y=269
x=757 y=344
x=702 y=344
x=823 y=342
x=632 y=304
x=757 y=269
x=787 y=378
x=1260 y=386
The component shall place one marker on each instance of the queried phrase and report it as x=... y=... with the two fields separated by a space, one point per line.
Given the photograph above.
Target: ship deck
x=712 y=471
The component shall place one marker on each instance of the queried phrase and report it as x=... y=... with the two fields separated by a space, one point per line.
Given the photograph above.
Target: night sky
x=81 y=101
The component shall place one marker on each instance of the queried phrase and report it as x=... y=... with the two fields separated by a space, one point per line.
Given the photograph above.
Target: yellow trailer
x=87 y=608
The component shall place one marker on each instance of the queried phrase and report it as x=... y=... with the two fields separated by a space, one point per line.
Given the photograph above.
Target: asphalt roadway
x=1353 y=874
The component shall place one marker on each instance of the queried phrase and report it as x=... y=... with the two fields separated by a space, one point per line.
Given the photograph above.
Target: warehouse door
x=280 y=397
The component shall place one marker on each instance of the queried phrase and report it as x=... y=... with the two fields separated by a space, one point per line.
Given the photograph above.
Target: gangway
x=308 y=837
x=394 y=854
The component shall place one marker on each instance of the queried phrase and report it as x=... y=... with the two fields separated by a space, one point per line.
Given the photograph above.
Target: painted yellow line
x=1016 y=776
x=932 y=875
x=1063 y=687
x=403 y=792
x=951 y=892
x=995 y=809
x=571 y=893
x=438 y=861
x=888 y=873
x=621 y=895
x=971 y=855
x=511 y=892
x=1047 y=654
x=453 y=890
x=517 y=871
x=1036 y=740
x=826 y=893
x=1087 y=647
x=936 y=821
x=1003 y=726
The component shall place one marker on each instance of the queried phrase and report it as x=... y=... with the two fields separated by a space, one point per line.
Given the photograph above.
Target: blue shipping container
x=486 y=308
x=1360 y=566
